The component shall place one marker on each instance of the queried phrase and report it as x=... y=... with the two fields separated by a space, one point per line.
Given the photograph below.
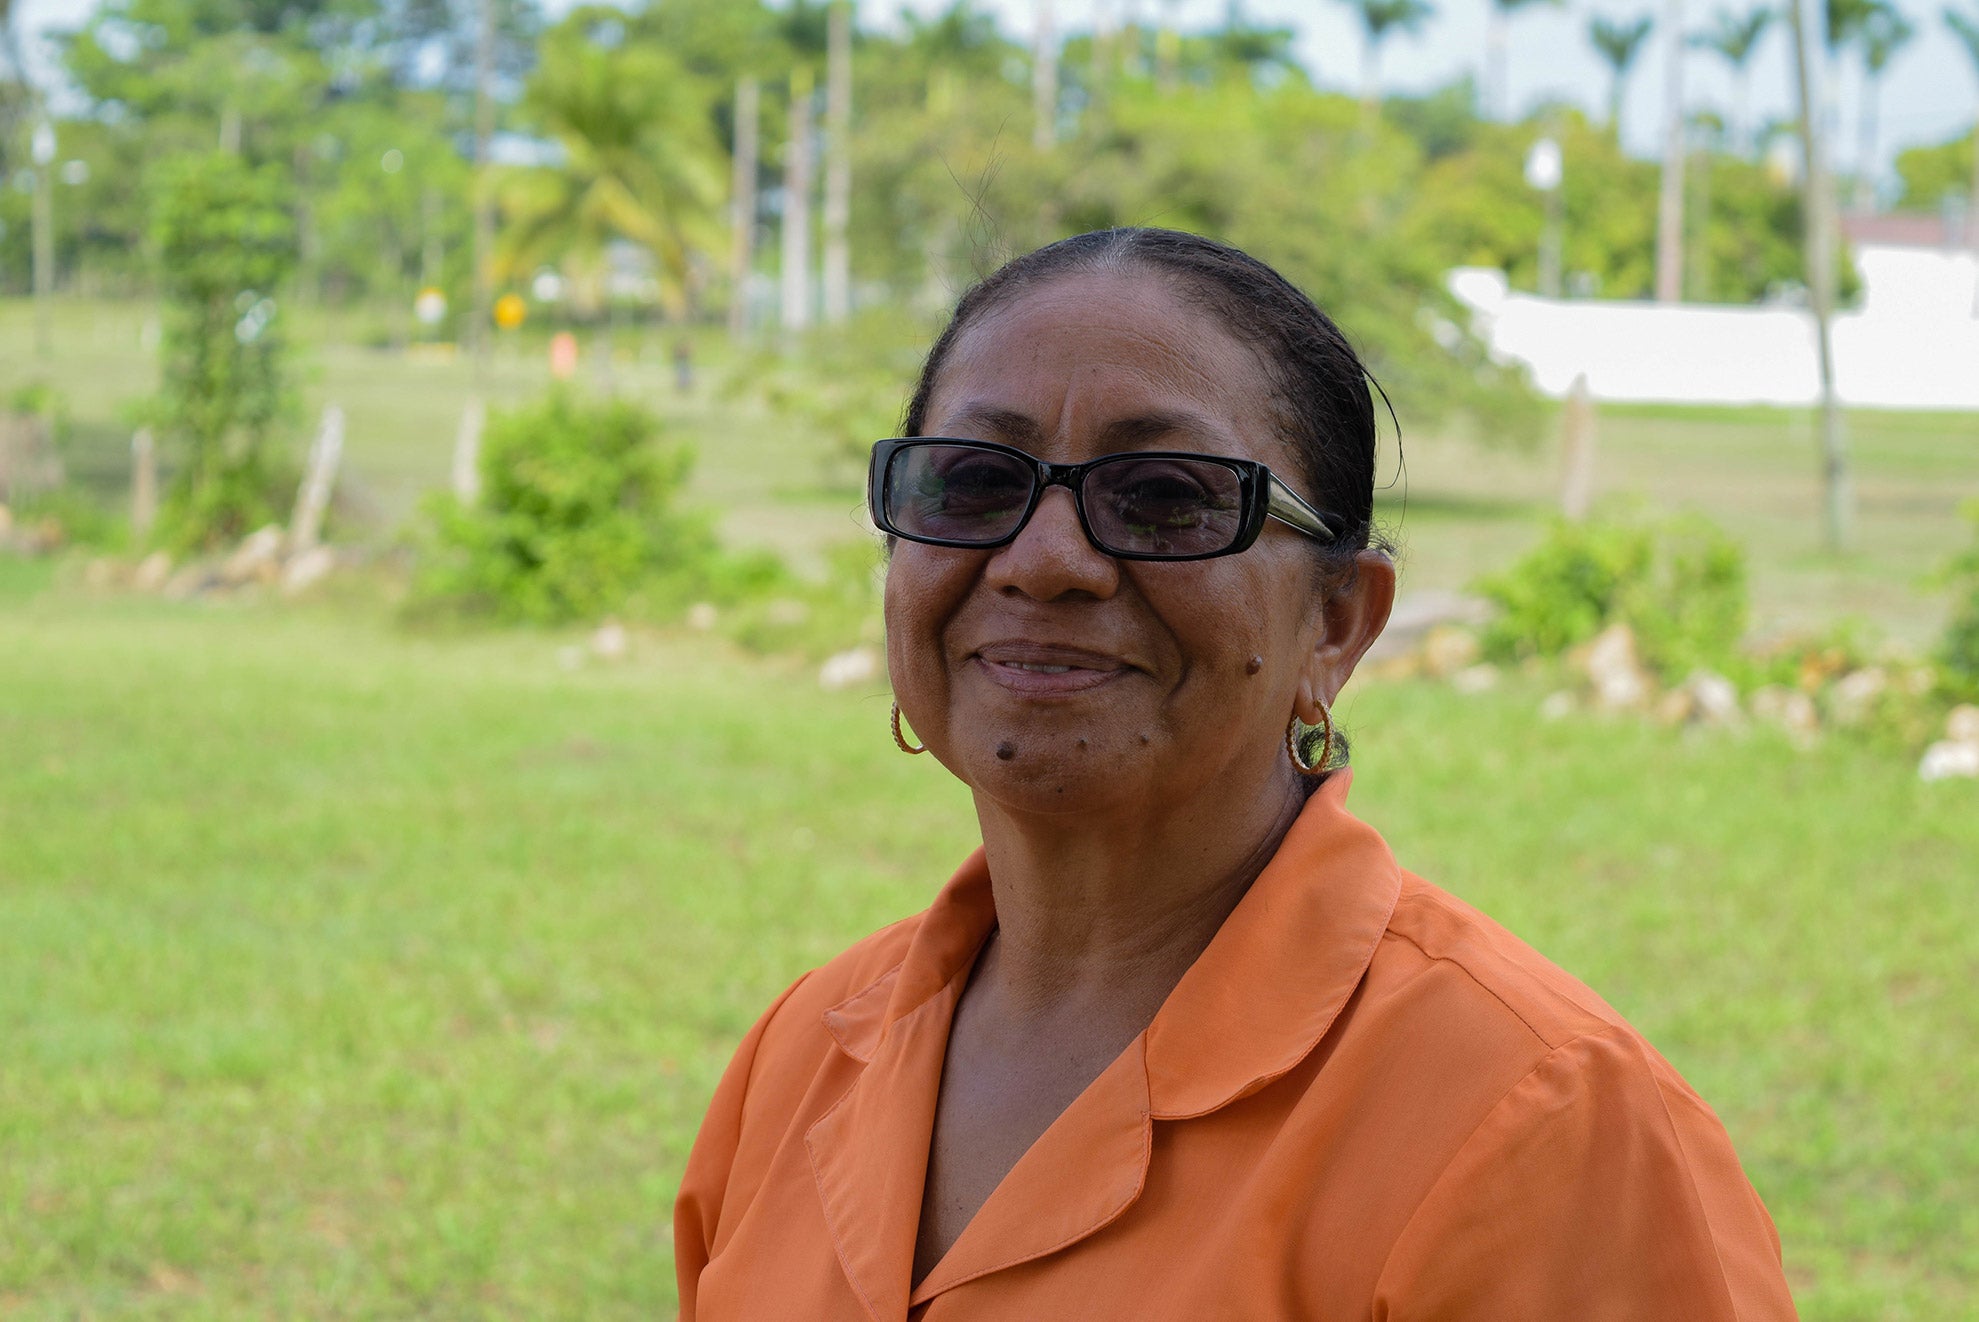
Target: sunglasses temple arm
x=1285 y=505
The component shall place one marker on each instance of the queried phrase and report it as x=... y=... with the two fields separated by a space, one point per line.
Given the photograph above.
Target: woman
x=1181 y=1040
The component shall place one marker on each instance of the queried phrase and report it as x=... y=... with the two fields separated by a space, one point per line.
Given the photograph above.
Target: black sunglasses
x=1138 y=505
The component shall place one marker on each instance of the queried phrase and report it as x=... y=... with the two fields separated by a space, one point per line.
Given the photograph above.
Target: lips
x=1047 y=669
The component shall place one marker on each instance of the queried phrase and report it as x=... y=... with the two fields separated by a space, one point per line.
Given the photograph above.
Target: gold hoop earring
x=901 y=739
x=1295 y=733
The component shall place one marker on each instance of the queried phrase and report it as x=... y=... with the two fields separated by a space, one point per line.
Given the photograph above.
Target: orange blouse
x=1365 y=1100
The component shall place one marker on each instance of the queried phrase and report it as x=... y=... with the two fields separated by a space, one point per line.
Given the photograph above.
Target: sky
x=1930 y=92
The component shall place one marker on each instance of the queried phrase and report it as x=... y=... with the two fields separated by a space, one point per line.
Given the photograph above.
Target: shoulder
x=1466 y=957
x=1574 y=1132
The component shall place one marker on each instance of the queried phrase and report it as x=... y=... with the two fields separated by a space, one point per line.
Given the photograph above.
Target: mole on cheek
x=1254 y=665
x=1006 y=750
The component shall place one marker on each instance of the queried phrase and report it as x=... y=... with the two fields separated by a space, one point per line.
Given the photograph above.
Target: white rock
x=1475 y=679
x=1714 y=698
x=306 y=569
x=843 y=670
x=257 y=557
x=152 y=572
x=1790 y=710
x=610 y=642
x=1854 y=696
x=701 y=615
x=1962 y=726
x=1611 y=665
x=1944 y=760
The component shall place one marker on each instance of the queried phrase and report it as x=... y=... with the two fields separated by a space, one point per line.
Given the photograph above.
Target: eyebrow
x=1122 y=433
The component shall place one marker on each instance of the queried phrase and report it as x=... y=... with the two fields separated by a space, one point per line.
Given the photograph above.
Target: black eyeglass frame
x=1279 y=500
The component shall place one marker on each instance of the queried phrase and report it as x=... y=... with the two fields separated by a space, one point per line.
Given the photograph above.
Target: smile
x=1044 y=672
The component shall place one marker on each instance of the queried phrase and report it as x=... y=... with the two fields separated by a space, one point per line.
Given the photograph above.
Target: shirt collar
x=1254 y=1004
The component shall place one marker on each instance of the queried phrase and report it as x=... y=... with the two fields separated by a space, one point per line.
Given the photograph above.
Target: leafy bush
x=1679 y=585
x=1959 y=653
x=226 y=241
x=578 y=518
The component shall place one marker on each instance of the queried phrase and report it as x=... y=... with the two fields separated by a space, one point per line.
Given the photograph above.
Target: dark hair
x=1323 y=401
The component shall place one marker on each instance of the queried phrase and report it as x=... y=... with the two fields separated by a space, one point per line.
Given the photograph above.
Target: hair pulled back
x=1322 y=399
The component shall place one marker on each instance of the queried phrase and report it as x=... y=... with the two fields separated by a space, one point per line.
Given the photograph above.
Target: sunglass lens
x=957 y=493
x=1164 y=507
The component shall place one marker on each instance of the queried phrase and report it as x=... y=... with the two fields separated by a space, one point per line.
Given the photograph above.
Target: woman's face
x=1050 y=676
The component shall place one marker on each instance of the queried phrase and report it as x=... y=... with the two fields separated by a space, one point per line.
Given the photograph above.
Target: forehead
x=1083 y=353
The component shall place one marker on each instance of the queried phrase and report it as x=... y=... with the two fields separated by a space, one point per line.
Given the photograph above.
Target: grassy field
x=1459 y=507
x=346 y=973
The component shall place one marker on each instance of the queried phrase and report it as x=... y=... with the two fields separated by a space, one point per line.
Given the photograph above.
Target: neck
x=1102 y=918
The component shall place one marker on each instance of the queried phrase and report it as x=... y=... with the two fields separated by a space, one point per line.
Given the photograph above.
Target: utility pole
x=797 y=207
x=1670 y=201
x=484 y=200
x=742 y=188
x=1818 y=208
x=838 y=162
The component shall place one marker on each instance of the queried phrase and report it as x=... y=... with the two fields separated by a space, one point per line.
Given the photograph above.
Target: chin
x=1047 y=772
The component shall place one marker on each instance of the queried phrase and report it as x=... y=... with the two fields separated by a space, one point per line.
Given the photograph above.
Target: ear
x=1354 y=615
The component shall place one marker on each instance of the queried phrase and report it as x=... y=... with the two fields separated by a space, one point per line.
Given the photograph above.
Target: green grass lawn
x=351 y=973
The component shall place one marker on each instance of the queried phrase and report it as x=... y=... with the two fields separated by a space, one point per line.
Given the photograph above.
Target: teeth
x=1040 y=670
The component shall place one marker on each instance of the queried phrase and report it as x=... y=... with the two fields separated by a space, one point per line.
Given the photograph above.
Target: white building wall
x=1914 y=343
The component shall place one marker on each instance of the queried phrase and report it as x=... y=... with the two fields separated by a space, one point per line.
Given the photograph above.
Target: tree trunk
x=1865 y=144
x=838 y=164
x=44 y=250
x=797 y=208
x=1497 y=60
x=484 y=199
x=1044 y=81
x=1817 y=202
x=1670 y=200
x=742 y=190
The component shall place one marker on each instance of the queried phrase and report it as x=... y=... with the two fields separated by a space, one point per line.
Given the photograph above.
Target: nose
x=1051 y=557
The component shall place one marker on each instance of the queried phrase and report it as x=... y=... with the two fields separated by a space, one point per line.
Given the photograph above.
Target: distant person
x=1181 y=1041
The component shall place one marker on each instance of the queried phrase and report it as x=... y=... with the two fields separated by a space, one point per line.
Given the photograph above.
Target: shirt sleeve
x=697 y=1210
x=1600 y=1187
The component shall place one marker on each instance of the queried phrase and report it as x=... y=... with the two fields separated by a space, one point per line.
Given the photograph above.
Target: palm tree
x=1734 y=39
x=640 y=162
x=1380 y=19
x=1618 y=43
x=1884 y=34
x=1497 y=53
x=1966 y=28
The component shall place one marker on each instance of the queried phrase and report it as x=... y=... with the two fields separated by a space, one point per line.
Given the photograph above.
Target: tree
x=1498 y=41
x=640 y=160
x=1733 y=39
x=1966 y=28
x=1618 y=43
x=1885 y=33
x=1379 y=20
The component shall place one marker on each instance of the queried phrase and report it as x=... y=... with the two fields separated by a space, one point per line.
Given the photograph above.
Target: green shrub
x=578 y=518
x=1959 y=652
x=1680 y=585
x=225 y=236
